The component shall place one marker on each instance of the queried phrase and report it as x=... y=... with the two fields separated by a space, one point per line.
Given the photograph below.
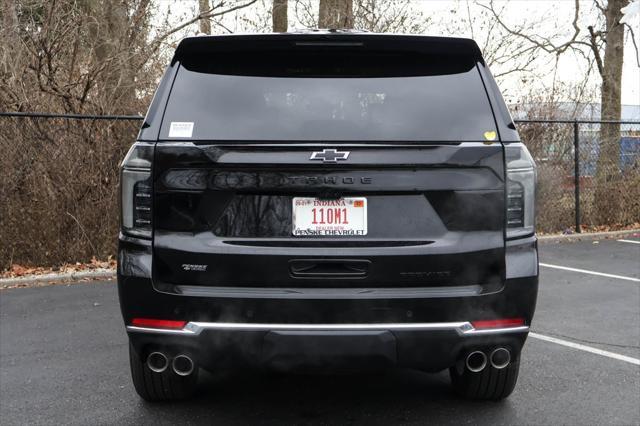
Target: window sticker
x=181 y=129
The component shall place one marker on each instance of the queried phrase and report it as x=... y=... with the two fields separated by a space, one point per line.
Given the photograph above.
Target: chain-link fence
x=59 y=174
x=588 y=173
x=59 y=187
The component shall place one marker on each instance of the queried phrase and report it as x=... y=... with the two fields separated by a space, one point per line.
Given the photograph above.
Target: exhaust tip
x=157 y=362
x=476 y=361
x=182 y=365
x=500 y=358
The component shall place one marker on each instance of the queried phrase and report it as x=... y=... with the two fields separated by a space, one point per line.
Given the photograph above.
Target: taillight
x=135 y=183
x=521 y=188
x=158 y=323
x=497 y=323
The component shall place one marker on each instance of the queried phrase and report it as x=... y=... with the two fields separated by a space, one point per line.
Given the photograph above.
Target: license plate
x=333 y=218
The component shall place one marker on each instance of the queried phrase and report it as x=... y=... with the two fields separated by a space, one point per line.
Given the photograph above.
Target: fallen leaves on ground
x=68 y=282
x=16 y=270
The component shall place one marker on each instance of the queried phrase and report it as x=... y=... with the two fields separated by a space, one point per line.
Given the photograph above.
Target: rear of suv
x=324 y=201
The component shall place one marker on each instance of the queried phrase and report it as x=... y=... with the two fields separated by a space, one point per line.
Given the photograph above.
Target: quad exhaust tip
x=157 y=362
x=182 y=365
x=500 y=358
x=476 y=361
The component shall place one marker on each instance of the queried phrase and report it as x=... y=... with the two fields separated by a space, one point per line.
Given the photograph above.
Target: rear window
x=324 y=96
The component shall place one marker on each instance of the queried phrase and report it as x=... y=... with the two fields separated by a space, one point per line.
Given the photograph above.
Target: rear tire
x=489 y=384
x=165 y=386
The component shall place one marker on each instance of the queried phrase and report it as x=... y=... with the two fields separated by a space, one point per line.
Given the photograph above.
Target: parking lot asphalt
x=63 y=360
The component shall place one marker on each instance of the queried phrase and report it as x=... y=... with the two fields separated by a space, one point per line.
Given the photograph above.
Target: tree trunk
x=9 y=31
x=612 y=74
x=10 y=19
x=279 y=16
x=610 y=98
x=335 y=14
x=205 y=24
x=107 y=38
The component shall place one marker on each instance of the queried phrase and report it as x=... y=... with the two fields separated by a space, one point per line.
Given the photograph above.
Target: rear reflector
x=158 y=323
x=499 y=323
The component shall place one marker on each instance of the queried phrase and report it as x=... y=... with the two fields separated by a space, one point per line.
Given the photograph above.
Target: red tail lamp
x=498 y=323
x=158 y=323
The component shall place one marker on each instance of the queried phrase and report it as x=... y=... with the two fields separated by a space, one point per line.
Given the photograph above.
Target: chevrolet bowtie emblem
x=329 y=155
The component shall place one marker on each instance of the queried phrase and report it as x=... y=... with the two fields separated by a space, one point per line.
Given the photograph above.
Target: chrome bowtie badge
x=329 y=155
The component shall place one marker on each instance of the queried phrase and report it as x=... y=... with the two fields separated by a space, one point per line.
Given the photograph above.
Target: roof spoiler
x=194 y=47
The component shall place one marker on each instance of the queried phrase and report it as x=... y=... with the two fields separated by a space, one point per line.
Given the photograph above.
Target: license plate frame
x=341 y=217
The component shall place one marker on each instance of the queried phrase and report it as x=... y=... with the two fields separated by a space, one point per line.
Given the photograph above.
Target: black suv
x=326 y=201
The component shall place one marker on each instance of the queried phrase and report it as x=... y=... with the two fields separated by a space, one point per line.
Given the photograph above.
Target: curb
x=590 y=236
x=68 y=276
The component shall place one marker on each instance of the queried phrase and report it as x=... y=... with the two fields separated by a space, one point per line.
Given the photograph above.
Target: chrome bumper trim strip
x=183 y=331
x=476 y=332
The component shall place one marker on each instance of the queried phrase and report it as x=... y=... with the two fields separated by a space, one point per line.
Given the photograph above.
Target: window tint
x=309 y=106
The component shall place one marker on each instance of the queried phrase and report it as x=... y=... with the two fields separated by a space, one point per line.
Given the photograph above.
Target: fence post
x=576 y=173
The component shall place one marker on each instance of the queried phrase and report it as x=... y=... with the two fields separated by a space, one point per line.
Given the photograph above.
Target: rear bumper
x=416 y=328
x=428 y=334
x=426 y=346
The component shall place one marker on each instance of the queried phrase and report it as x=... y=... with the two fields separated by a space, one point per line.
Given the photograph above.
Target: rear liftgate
x=336 y=216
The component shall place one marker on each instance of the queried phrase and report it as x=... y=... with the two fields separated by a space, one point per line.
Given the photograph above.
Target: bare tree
x=279 y=16
x=610 y=67
x=10 y=59
x=205 y=23
x=602 y=42
x=335 y=14
x=389 y=16
x=214 y=12
x=605 y=46
x=504 y=53
x=398 y=16
x=87 y=56
x=59 y=177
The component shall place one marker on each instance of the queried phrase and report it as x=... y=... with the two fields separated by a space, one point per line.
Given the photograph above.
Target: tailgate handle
x=328 y=268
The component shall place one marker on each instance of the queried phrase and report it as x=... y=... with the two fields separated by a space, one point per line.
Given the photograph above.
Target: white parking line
x=634 y=361
x=584 y=271
x=629 y=241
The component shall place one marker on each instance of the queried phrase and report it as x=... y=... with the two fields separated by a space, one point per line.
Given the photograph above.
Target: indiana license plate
x=335 y=218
